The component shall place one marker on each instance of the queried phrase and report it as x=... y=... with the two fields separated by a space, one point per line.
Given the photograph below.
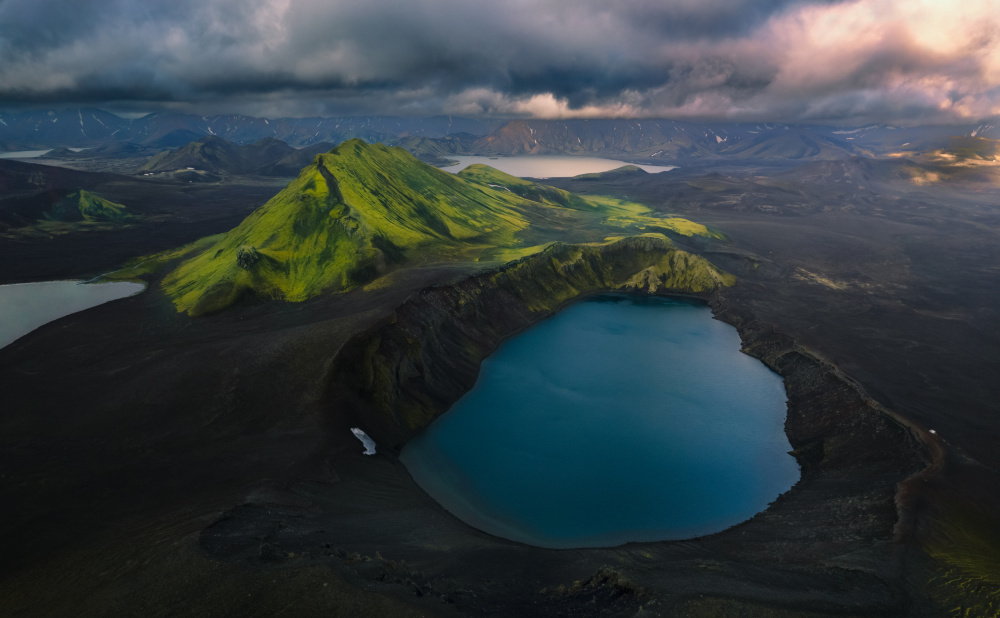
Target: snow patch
x=874 y=126
x=368 y=442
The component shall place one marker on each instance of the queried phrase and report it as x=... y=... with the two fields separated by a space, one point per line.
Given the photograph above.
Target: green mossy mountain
x=217 y=156
x=532 y=191
x=362 y=210
x=85 y=206
x=618 y=172
x=351 y=215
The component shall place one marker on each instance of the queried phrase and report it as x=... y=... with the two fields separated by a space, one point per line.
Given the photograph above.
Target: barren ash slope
x=216 y=422
x=362 y=214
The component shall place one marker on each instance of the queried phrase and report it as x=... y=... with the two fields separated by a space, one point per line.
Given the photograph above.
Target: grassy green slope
x=349 y=216
x=625 y=170
x=646 y=263
x=614 y=212
x=535 y=192
x=85 y=206
x=362 y=210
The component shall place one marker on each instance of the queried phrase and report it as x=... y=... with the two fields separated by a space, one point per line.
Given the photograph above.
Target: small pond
x=26 y=306
x=618 y=419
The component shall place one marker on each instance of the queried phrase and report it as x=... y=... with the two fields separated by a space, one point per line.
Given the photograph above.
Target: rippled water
x=618 y=419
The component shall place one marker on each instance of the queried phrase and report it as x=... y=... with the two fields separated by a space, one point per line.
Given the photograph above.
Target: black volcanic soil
x=164 y=465
x=170 y=214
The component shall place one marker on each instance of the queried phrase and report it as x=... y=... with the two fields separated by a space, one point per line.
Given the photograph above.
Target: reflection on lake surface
x=618 y=419
x=547 y=166
x=26 y=306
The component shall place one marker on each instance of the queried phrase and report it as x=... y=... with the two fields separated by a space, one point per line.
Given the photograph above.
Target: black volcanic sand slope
x=206 y=466
x=888 y=268
x=119 y=444
x=62 y=223
x=831 y=534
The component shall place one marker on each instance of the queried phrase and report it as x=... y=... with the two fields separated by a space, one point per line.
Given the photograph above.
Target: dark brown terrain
x=155 y=464
x=168 y=213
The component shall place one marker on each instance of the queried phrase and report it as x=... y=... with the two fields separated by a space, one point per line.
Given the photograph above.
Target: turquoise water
x=618 y=419
x=26 y=306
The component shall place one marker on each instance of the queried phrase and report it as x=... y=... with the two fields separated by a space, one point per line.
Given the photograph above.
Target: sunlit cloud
x=811 y=60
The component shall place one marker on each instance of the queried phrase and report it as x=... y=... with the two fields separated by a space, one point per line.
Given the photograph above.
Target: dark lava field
x=156 y=464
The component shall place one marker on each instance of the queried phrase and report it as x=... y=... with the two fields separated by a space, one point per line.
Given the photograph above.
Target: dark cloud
x=762 y=59
x=701 y=19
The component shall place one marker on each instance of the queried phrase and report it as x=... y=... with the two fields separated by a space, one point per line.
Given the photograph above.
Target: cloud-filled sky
x=903 y=61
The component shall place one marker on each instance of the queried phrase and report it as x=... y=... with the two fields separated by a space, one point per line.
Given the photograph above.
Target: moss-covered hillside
x=85 y=206
x=362 y=210
x=350 y=215
x=533 y=191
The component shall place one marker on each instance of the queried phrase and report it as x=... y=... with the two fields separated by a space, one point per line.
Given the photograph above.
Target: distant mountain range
x=434 y=139
x=676 y=141
x=89 y=127
x=267 y=157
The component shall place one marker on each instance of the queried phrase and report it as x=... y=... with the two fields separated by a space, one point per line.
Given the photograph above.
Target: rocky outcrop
x=853 y=454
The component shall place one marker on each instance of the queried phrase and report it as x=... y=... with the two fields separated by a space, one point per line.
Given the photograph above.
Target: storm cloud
x=871 y=60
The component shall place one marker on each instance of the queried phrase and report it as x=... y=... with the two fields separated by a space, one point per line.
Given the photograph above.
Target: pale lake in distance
x=26 y=306
x=548 y=166
x=23 y=154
